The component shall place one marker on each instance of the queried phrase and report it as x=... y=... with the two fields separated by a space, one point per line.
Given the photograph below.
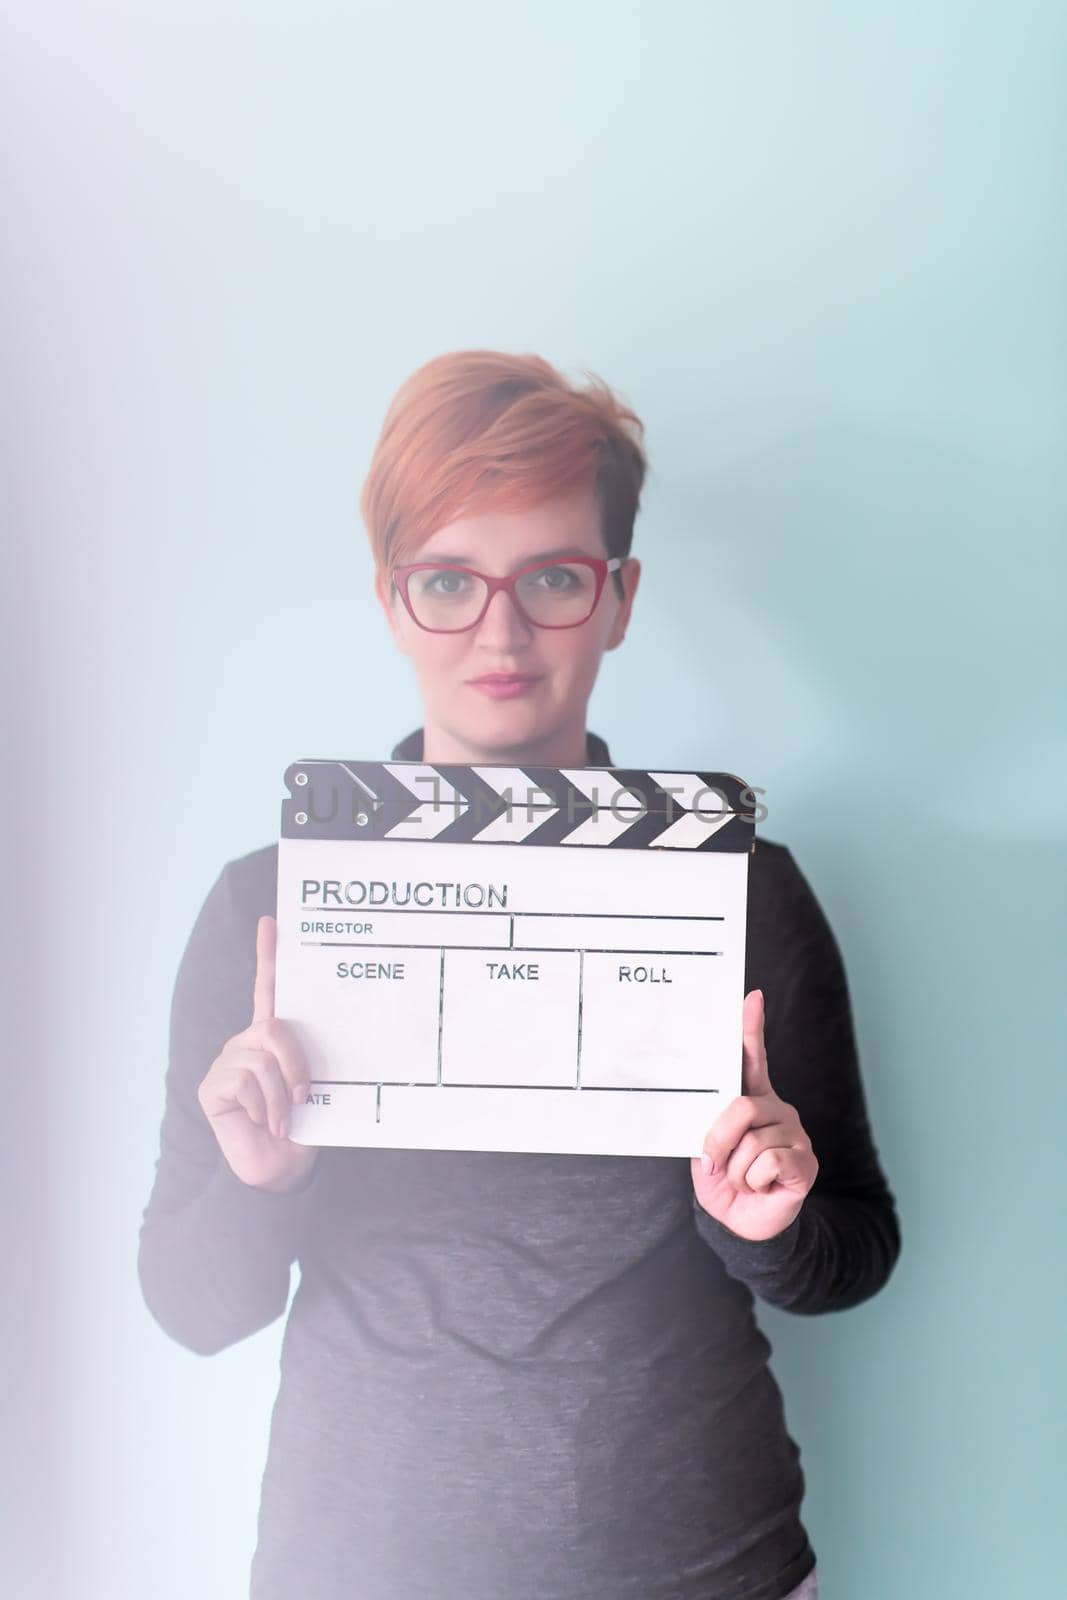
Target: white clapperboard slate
x=521 y=959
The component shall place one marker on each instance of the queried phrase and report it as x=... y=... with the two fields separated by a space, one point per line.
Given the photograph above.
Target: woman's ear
x=630 y=573
x=389 y=601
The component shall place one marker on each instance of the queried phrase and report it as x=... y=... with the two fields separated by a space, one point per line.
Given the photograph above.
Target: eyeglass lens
x=553 y=596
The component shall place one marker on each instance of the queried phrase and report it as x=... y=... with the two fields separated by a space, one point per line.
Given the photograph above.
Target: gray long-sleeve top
x=528 y=1375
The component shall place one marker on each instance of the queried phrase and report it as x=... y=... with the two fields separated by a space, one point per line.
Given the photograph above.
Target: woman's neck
x=564 y=747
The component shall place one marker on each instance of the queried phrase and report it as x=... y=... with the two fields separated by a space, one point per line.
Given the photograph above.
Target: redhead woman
x=529 y=1376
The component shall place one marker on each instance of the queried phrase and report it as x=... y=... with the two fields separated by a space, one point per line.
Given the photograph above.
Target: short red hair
x=479 y=430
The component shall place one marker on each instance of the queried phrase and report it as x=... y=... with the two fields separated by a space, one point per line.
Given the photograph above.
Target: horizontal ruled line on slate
x=546 y=949
x=446 y=911
x=584 y=1088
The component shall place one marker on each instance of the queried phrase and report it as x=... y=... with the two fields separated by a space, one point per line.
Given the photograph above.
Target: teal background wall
x=821 y=249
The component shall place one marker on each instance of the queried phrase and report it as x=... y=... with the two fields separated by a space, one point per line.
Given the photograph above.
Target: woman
x=516 y=1374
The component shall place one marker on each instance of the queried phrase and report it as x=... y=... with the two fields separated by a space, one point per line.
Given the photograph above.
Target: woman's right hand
x=253 y=1083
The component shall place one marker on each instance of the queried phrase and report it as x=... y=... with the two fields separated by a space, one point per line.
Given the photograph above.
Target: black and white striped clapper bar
x=523 y=959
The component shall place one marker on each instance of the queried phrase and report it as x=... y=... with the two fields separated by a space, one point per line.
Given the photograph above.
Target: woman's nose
x=503 y=620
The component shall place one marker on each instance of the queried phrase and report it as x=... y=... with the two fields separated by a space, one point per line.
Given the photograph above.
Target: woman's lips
x=503 y=688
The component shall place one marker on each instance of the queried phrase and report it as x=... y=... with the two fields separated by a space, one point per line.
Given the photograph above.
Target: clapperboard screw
x=301 y=778
x=301 y=817
x=361 y=819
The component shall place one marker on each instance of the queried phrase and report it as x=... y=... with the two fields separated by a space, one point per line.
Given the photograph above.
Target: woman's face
x=469 y=720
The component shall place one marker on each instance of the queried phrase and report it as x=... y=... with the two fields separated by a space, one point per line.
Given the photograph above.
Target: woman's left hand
x=763 y=1163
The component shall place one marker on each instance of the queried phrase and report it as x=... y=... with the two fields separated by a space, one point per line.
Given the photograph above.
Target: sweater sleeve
x=841 y=1247
x=214 y=1253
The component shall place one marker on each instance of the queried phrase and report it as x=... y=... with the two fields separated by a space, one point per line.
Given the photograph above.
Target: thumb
x=755 y=1077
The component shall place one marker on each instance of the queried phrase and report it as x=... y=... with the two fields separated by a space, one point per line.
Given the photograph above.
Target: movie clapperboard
x=521 y=959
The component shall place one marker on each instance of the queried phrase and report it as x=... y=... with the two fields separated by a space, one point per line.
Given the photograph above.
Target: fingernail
x=706 y=1162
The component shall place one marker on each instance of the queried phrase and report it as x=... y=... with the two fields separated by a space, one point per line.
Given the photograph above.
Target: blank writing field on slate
x=510 y=1021
x=491 y=958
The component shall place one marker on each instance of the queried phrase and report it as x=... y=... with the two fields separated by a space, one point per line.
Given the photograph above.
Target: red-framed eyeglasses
x=443 y=597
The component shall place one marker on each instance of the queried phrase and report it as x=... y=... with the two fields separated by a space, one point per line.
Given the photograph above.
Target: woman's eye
x=445 y=582
x=556 y=577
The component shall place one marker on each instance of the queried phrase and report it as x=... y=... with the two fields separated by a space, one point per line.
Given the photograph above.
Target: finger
x=219 y=1092
x=743 y=1113
x=253 y=1080
x=243 y=1091
x=263 y=989
x=751 y=1148
x=785 y=1167
x=755 y=1078
x=276 y=1036
x=275 y=1092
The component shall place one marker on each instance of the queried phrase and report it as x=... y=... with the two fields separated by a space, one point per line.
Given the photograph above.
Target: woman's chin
x=502 y=725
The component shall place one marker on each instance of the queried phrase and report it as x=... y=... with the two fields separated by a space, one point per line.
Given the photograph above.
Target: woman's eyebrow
x=542 y=555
